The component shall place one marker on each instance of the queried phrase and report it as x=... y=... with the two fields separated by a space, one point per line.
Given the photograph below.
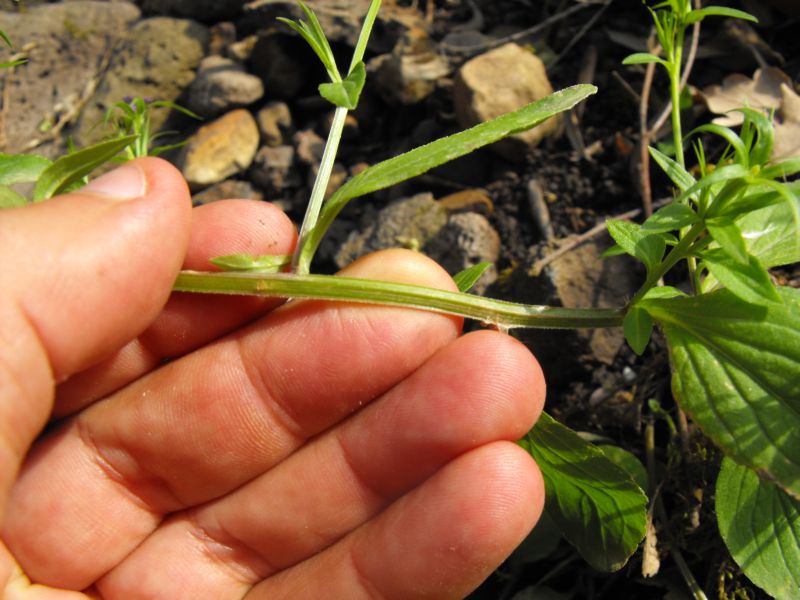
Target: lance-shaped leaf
x=71 y=168
x=468 y=277
x=760 y=524
x=422 y=159
x=21 y=168
x=595 y=503
x=772 y=234
x=737 y=373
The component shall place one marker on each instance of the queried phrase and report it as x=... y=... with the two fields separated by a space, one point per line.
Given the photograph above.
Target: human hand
x=222 y=447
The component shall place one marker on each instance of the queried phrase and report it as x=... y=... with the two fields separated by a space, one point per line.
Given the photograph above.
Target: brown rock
x=472 y=200
x=498 y=82
x=275 y=123
x=220 y=149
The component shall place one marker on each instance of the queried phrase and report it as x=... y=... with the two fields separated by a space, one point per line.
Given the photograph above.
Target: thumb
x=83 y=273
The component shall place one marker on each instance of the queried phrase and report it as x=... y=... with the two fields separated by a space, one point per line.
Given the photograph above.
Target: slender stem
x=505 y=315
x=320 y=185
x=675 y=93
x=675 y=255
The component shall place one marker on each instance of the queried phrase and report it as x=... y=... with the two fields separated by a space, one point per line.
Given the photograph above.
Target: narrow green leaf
x=251 y=264
x=595 y=503
x=736 y=371
x=749 y=281
x=643 y=58
x=782 y=170
x=6 y=39
x=73 y=167
x=760 y=525
x=718 y=11
x=469 y=277
x=21 y=168
x=669 y=218
x=730 y=136
x=677 y=174
x=723 y=174
x=762 y=148
x=11 y=199
x=759 y=193
x=664 y=291
x=727 y=234
x=422 y=159
x=647 y=247
x=638 y=327
x=615 y=250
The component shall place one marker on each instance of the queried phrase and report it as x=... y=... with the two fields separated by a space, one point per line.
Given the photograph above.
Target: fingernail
x=124 y=183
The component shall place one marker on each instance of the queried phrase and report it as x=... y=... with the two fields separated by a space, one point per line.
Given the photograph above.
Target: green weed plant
x=733 y=338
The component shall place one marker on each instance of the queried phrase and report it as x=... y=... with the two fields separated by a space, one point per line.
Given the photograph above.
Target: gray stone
x=65 y=44
x=222 y=148
x=310 y=147
x=466 y=240
x=411 y=72
x=282 y=63
x=578 y=279
x=158 y=61
x=274 y=170
x=226 y=190
x=275 y=123
x=409 y=222
x=207 y=11
x=220 y=85
x=501 y=81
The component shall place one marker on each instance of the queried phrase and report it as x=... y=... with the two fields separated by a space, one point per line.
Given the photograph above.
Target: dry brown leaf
x=769 y=90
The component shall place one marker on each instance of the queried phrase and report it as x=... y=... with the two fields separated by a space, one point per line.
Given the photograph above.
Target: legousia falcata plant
x=733 y=337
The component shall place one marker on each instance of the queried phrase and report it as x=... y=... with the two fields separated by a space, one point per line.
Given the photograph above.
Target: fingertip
x=399 y=265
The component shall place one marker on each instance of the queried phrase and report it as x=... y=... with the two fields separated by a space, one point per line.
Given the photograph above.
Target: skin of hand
x=187 y=446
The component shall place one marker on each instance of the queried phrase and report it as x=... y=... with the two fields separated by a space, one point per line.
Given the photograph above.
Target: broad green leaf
x=736 y=371
x=647 y=247
x=598 y=507
x=642 y=58
x=664 y=291
x=11 y=199
x=637 y=326
x=772 y=234
x=251 y=264
x=727 y=234
x=615 y=250
x=679 y=176
x=21 y=168
x=422 y=159
x=71 y=168
x=468 y=277
x=540 y=544
x=669 y=218
x=761 y=528
x=759 y=193
x=627 y=461
x=346 y=93
x=749 y=281
x=718 y=11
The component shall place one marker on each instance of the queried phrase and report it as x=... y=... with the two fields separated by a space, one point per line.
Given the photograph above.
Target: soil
x=606 y=400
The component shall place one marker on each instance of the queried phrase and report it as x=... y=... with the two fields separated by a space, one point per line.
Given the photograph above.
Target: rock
x=466 y=240
x=274 y=170
x=207 y=11
x=281 y=61
x=340 y=19
x=408 y=222
x=225 y=190
x=221 y=36
x=275 y=123
x=501 y=81
x=310 y=147
x=472 y=200
x=242 y=50
x=220 y=149
x=65 y=44
x=220 y=85
x=410 y=73
x=578 y=279
x=157 y=61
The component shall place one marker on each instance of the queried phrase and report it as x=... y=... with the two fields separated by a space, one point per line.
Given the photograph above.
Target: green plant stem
x=675 y=93
x=504 y=315
x=676 y=254
x=320 y=186
x=366 y=30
